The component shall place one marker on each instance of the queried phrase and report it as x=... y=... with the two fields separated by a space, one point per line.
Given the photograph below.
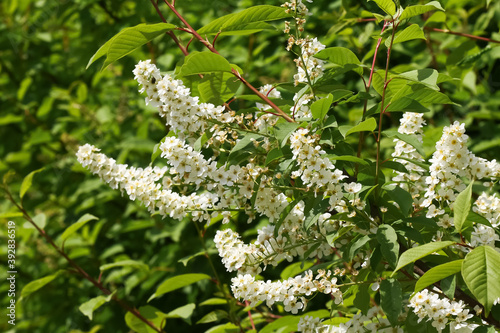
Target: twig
x=446 y=31
x=79 y=269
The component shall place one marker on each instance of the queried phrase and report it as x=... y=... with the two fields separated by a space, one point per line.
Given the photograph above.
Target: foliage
x=89 y=259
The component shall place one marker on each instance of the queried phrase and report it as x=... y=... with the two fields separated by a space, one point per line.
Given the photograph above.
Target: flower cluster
x=413 y=180
x=184 y=113
x=291 y=292
x=427 y=305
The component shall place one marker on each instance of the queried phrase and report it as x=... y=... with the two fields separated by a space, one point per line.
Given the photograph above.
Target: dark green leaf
x=388 y=239
x=391 y=299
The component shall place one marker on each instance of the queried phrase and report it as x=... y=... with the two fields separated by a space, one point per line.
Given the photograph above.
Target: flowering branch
x=207 y=44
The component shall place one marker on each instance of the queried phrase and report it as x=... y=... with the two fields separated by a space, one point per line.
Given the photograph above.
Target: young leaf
x=128 y=40
x=244 y=20
x=391 y=299
x=177 y=282
x=77 y=225
x=438 y=273
x=213 y=316
x=412 y=11
x=387 y=6
x=402 y=197
x=481 y=273
x=410 y=33
x=184 y=312
x=415 y=253
x=33 y=286
x=27 y=181
x=367 y=125
x=93 y=304
x=461 y=207
x=320 y=107
x=313 y=209
x=388 y=239
x=203 y=63
x=283 y=131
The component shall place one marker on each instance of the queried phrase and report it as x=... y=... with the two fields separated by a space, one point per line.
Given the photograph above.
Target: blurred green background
x=50 y=104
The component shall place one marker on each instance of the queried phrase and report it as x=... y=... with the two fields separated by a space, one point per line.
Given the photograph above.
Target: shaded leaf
x=131 y=263
x=152 y=314
x=33 y=286
x=388 y=239
x=426 y=76
x=391 y=299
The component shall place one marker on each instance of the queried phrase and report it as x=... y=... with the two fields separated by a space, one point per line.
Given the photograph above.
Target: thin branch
x=446 y=31
x=79 y=269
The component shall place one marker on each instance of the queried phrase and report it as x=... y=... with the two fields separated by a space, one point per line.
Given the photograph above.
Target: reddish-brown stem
x=170 y=33
x=250 y=316
x=367 y=88
x=209 y=46
x=79 y=269
x=386 y=84
x=446 y=31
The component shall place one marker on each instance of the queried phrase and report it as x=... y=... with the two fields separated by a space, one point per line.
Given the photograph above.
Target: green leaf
x=426 y=76
x=313 y=209
x=128 y=40
x=244 y=20
x=244 y=145
x=481 y=273
x=77 y=225
x=485 y=329
x=152 y=314
x=402 y=197
x=428 y=96
x=406 y=105
x=438 y=273
x=27 y=181
x=391 y=299
x=283 y=130
x=217 y=88
x=360 y=242
x=412 y=11
x=33 y=286
x=416 y=253
x=348 y=158
x=368 y=125
x=320 y=107
x=340 y=56
x=448 y=286
x=409 y=139
x=203 y=63
x=461 y=207
x=184 y=312
x=362 y=299
x=93 y=304
x=213 y=316
x=273 y=155
x=387 y=6
x=177 y=282
x=388 y=239
x=126 y=263
x=410 y=33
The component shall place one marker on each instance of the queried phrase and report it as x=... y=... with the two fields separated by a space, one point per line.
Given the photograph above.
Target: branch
x=79 y=269
x=446 y=31
x=207 y=44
